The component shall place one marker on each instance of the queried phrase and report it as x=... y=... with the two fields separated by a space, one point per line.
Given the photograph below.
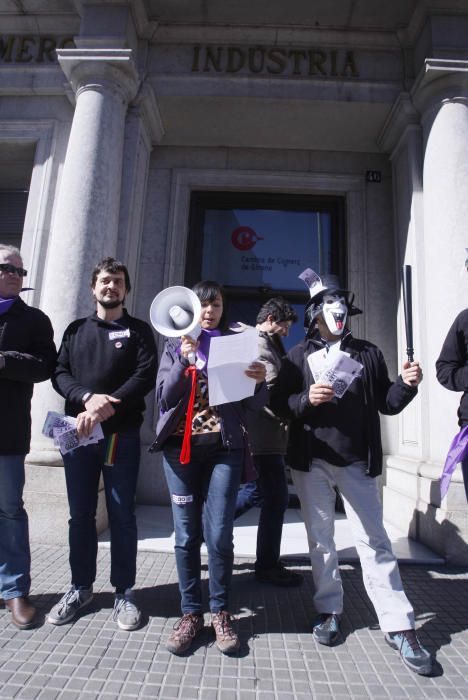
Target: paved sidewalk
x=92 y=658
x=156 y=534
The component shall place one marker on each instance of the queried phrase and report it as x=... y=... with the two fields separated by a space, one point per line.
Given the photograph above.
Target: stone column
x=442 y=98
x=144 y=129
x=430 y=183
x=85 y=229
x=86 y=218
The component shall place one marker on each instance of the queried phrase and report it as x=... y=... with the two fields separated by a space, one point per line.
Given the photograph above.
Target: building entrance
x=256 y=245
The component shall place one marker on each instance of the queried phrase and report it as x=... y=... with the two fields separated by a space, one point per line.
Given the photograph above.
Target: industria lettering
x=28 y=48
x=332 y=63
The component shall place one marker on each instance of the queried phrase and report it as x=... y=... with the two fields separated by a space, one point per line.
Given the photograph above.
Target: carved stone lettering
x=276 y=61
x=23 y=54
x=235 y=59
x=258 y=60
x=6 y=48
x=26 y=48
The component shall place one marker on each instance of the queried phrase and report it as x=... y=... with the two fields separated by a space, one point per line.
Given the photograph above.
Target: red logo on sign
x=244 y=238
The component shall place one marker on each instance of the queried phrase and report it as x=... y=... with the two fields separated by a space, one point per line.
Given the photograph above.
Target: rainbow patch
x=112 y=442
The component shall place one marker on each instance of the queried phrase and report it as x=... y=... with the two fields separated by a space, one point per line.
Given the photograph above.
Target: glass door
x=256 y=245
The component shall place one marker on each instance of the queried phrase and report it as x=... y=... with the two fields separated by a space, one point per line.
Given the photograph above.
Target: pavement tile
x=48 y=694
x=279 y=660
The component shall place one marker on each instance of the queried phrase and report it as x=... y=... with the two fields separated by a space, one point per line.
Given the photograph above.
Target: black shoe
x=326 y=629
x=278 y=575
x=411 y=651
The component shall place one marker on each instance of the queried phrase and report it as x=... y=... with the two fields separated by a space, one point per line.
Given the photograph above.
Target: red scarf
x=185 y=451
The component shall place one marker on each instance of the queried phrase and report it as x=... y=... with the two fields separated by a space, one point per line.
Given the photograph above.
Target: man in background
x=268 y=437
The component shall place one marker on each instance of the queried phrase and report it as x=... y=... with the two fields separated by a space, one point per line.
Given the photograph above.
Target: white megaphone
x=175 y=312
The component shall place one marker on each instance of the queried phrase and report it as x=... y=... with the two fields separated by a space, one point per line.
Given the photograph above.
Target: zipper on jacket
x=224 y=437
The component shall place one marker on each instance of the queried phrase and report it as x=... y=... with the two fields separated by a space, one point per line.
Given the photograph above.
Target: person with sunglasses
x=27 y=356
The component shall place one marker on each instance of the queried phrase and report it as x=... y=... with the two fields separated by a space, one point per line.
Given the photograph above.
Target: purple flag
x=458 y=450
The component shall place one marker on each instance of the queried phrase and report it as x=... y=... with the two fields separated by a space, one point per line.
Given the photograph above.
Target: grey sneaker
x=227 y=640
x=68 y=606
x=411 y=651
x=126 y=612
x=326 y=629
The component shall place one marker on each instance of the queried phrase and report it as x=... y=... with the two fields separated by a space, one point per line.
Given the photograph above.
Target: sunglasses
x=7 y=267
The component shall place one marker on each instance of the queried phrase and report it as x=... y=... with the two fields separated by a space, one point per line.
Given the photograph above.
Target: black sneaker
x=279 y=575
x=412 y=653
x=326 y=629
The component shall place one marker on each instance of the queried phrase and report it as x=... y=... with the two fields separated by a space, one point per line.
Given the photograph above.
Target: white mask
x=335 y=313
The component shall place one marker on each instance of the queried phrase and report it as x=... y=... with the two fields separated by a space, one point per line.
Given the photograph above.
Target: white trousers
x=363 y=507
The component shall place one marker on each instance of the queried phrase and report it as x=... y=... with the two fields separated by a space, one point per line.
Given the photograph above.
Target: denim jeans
x=15 y=557
x=203 y=498
x=270 y=492
x=83 y=468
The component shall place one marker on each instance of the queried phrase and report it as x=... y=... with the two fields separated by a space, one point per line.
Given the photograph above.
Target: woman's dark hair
x=207 y=291
x=279 y=309
x=113 y=266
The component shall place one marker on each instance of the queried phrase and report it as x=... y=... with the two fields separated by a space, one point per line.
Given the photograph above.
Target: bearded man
x=106 y=366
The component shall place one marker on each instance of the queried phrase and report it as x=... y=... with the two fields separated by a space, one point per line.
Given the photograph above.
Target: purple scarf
x=458 y=450
x=6 y=304
x=205 y=340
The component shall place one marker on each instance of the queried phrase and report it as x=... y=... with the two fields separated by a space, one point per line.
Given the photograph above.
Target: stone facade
x=133 y=105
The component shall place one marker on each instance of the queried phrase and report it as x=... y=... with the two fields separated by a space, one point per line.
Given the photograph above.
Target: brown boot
x=185 y=631
x=23 y=614
x=227 y=640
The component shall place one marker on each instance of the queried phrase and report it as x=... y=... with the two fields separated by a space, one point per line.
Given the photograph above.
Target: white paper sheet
x=63 y=431
x=229 y=357
x=337 y=369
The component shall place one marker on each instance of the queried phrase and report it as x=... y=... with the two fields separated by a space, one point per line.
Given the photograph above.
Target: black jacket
x=27 y=343
x=92 y=359
x=452 y=365
x=290 y=397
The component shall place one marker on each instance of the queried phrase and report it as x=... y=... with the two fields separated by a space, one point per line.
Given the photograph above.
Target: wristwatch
x=86 y=397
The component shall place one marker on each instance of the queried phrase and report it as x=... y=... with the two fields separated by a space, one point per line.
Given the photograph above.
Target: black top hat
x=330 y=284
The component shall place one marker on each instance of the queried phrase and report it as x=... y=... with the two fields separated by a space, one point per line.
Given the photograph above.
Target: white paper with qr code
x=63 y=431
x=337 y=369
x=317 y=362
x=57 y=420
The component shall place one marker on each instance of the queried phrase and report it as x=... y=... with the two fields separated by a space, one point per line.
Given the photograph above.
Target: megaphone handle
x=191 y=357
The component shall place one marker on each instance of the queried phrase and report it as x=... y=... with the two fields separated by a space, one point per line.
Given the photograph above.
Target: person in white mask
x=333 y=387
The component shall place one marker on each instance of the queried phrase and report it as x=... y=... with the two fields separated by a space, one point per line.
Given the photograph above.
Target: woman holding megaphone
x=205 y=451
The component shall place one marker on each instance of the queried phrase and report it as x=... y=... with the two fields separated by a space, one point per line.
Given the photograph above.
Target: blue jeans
x=203 y=498
x=83 y=468
x=15 y=557
x=270 y=492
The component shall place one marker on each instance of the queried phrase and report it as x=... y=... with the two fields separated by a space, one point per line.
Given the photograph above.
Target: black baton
x=408 y=307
